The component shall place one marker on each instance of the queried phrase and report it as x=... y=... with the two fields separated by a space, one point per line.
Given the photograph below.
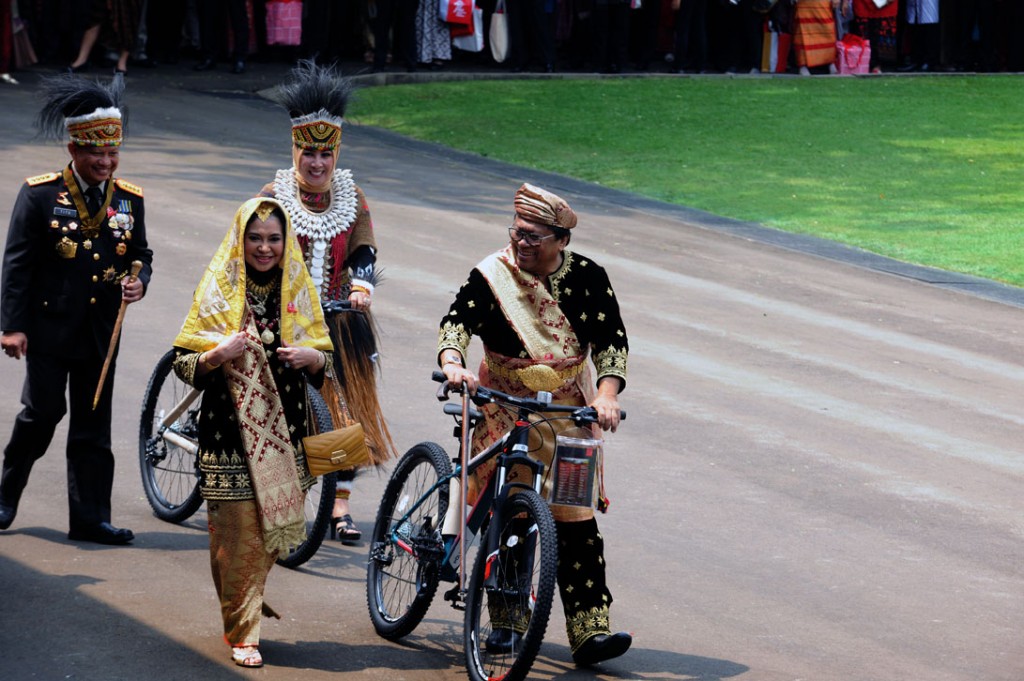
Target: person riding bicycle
x=332 y=222
x=541 y=311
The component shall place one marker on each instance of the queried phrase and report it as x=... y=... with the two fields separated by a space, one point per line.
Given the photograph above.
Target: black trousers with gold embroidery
x=581 y=581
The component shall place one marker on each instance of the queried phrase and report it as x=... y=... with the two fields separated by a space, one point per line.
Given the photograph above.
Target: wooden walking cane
x=136 y=268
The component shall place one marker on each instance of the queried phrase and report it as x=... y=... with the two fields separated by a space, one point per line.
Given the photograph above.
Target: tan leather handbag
x=336 y=450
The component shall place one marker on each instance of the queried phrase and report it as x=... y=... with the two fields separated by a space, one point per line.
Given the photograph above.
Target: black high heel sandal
x=344 y=528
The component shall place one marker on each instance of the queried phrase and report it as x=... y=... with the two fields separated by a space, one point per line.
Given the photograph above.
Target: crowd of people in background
x=608 y=36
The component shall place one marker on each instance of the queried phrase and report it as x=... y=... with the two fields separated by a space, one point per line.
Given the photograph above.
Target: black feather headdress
x=92 y=106
x=311 y=88
x=316 y=98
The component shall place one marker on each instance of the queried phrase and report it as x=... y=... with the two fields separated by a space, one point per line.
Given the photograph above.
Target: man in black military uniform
x=66 y=268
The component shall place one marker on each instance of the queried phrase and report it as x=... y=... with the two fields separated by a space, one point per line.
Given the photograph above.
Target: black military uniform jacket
x=62 y=268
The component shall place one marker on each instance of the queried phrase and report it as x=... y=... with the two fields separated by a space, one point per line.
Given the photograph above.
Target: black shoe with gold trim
x=602 y=647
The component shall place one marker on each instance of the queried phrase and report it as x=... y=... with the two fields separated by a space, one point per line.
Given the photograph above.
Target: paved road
x=820 y=476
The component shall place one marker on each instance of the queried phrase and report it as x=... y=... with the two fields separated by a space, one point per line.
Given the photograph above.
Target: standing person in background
x=529 y=24
x=395 y=21
x=254 y=336
x=332 y=222
x=691 y=37
x=72 y=239
x=120 y=19
x=877 y=25
x=433 y=39
x=542 y=312
x=814 y=35
x=923 y=32
x=611 y=35
x=6 y=43
x=213 y=33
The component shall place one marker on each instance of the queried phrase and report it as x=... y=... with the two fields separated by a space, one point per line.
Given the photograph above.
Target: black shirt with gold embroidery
x=584 y=294
x=224 y=473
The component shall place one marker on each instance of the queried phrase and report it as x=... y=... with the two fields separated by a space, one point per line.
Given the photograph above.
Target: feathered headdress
x=315 y=97
x=90 y=112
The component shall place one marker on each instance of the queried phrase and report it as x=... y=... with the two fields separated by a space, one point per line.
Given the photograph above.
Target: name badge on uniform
x=66 y=248
x=66 y=212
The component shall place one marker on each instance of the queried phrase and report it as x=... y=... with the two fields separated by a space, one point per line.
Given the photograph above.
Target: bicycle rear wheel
x=319 y=497
x=170 y=474
x=402 y=574
x=511 y=590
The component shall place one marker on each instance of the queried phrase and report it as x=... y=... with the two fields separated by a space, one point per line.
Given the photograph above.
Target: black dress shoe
x=7 y=513
x=503 y=641
x=602 y=647
x=239 y=66
x=102 y=533
x=205 y=65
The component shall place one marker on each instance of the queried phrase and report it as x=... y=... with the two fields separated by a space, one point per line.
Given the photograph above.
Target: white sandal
x=247 y=656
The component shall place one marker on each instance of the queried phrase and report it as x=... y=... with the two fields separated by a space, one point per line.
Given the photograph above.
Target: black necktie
x=93 y=199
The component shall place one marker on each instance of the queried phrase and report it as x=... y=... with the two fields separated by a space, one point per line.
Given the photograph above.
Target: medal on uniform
x=267 y=336
x=87 y=244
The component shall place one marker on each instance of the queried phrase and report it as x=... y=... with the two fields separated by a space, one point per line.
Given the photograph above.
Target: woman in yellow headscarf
x=253 y=337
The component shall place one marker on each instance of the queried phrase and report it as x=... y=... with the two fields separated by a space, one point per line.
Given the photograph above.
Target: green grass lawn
x=926 y=170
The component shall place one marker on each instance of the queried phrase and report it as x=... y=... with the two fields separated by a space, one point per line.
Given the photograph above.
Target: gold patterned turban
x=541 y=206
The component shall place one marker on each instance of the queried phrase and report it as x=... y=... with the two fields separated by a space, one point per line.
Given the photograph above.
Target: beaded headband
x=318 y=130
x=101 y=128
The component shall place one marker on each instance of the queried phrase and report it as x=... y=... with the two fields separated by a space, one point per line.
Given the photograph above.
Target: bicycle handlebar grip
x=438 y=377
x=336 y=306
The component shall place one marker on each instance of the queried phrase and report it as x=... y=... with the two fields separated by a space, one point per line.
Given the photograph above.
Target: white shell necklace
x=319 y=228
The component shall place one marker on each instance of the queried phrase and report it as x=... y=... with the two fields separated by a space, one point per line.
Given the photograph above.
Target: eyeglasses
x=530 y=238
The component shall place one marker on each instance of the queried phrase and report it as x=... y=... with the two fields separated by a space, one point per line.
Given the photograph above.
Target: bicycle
x=168 y=457
x=507 y=599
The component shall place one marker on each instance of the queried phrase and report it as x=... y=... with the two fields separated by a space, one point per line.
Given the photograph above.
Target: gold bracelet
x=202 y=360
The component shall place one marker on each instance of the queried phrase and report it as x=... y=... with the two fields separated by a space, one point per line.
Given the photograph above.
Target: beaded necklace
x=265 y=307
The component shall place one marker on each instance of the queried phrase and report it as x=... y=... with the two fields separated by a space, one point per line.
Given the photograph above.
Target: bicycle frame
x=166 y=430
x=488 y=501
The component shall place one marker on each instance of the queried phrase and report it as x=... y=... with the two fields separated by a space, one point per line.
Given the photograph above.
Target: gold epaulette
x=41 y=179
x=129 y=187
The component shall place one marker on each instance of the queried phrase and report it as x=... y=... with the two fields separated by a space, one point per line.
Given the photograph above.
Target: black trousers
x=402 y=15
x=581 y=581
x=529 y=25
x=89 y=457
x=692 y=35
x=611 y=35
x=213 y=37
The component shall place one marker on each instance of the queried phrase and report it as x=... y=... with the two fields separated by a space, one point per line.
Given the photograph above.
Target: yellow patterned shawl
x=557 y=364
x=219 y=309
x=218 y=305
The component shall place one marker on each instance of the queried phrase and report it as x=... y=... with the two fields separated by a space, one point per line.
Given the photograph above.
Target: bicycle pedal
x=454 y=596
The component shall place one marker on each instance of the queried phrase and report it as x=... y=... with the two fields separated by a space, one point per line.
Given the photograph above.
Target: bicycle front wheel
x=319 y=497
x=511 y=591
x=167 y=456
x=406 y=549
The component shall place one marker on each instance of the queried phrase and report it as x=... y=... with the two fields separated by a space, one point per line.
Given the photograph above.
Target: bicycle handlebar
x=336 y=306
x=489 y=396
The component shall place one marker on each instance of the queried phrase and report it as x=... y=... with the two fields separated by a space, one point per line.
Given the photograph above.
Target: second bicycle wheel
x=406 y=548
x=319 y=497
x=510 y=593
x=167 y=458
